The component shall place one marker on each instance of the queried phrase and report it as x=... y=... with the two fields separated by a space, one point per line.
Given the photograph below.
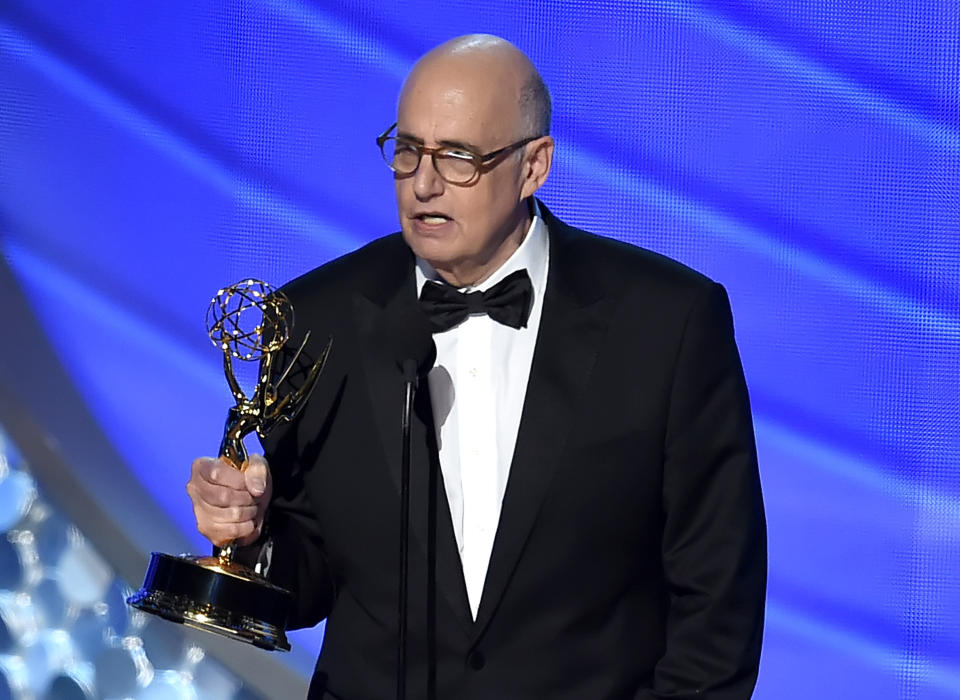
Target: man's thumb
x=255 y=474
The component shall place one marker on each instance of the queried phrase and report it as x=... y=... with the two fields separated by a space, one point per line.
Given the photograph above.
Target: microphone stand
x=410 y=388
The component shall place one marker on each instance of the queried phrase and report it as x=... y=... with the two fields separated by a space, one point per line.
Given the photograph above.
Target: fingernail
x=257 y=487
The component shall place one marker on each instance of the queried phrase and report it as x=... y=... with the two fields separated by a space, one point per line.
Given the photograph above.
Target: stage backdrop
x=804 y=154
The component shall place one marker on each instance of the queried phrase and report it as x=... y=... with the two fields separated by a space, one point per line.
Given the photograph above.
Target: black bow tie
x=507 y=302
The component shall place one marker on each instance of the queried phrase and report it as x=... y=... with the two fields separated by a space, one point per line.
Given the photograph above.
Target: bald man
x=586 y=519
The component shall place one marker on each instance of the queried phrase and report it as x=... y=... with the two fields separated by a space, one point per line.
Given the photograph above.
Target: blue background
x=805 y=154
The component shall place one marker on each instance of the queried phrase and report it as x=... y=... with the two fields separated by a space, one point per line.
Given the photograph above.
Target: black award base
x=215 y=596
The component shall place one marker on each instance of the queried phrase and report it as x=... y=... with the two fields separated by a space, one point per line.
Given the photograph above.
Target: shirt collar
x=530 y=255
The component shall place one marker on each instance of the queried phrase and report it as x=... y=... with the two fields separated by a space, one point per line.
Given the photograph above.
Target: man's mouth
x=432 y=218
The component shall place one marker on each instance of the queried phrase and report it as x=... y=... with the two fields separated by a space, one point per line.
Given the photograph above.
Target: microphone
x=415 y=349
x=416 y=352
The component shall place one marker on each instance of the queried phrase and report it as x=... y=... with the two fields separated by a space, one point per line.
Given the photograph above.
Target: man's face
x=462 y=230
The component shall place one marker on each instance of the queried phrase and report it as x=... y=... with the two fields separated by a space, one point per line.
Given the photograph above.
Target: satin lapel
x=393 y=297
x=574 y=319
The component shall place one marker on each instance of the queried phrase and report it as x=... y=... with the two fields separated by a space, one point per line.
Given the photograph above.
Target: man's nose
x=427 y=182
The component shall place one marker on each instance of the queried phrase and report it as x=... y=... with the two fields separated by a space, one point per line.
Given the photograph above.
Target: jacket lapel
x=574 y=319
x=389 y=295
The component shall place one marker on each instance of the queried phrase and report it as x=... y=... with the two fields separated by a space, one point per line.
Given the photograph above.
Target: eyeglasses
x=455 y=164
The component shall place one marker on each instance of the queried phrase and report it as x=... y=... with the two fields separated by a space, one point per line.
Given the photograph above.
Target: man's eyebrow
x=447 y=143
x=461 y=144
x=409 y=137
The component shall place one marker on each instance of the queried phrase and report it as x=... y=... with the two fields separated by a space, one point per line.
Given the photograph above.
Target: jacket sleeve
x=714 y=532
x=291 y=551
x=298 y=560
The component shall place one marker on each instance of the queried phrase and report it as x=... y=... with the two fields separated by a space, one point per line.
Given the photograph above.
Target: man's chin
x=435 y=250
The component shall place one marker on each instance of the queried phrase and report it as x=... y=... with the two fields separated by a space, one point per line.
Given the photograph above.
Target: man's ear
x=537 y=160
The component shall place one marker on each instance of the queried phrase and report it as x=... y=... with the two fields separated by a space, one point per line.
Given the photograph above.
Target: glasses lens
x=400 y=155
x=456 y=166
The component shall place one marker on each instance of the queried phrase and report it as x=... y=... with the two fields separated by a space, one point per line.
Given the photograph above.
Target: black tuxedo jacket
x=630 y=557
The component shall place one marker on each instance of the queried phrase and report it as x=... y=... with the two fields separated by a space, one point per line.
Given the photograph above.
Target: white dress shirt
x=477 y=388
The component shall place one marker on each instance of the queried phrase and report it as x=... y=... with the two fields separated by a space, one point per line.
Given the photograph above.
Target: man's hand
x=230 y=505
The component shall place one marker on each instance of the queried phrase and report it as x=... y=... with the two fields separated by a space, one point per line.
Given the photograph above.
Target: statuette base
x=220 y=597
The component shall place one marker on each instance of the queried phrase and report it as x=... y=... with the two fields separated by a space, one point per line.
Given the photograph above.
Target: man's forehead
x=438 y=129
x=460 y=109
x=450 y=90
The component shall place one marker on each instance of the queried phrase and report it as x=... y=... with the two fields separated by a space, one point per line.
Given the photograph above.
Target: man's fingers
x=256 y=473
x=229 y=504
x=219 y=473
x=240 y=533
x=223 y=525
x=203 y=491
x=227 y=515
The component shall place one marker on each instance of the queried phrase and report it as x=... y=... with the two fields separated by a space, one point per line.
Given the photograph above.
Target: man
x=586 y=518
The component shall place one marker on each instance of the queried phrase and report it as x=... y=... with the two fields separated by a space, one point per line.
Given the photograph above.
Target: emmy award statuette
x=248 y=321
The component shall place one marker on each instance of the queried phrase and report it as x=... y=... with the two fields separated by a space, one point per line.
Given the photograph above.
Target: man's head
x=479 y=93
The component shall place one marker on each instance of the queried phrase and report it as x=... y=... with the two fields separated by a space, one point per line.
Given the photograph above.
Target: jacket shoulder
x=354 y=271
x=629 y=267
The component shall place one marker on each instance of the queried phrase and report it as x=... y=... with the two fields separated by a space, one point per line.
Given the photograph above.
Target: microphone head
x=409 y=369
x=415 y=349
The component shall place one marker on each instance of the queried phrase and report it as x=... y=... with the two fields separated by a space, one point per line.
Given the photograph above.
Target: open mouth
x=432 y=218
